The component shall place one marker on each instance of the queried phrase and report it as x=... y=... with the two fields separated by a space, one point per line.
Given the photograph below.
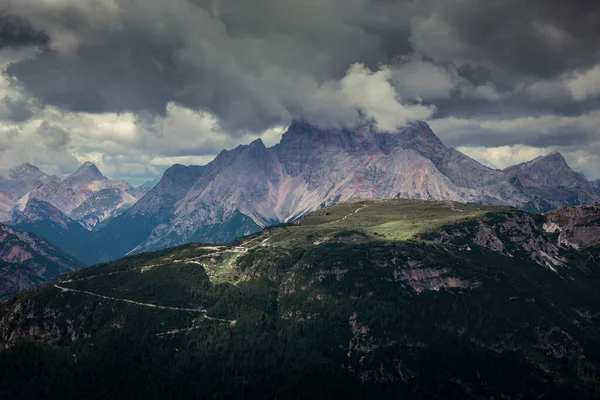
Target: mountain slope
x=7 y=203
x=102 y=205
x=551 y=183
x=28 y=261
x=45 y=220
x=22 y=179
x=370 y=298
x=131 y=228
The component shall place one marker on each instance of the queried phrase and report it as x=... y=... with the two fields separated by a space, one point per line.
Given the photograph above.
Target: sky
x=138 y=85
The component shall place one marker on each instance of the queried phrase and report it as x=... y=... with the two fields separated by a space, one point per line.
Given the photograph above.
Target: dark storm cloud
x=258 y=63
x=117 y=76
x=478 y=136
x=539 y=38
x=16 y=32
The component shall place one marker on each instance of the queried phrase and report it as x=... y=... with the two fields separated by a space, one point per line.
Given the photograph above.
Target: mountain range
x=252 y=186
x=87 y=194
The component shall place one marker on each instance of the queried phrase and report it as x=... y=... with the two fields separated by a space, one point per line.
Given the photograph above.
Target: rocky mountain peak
x=25 y=166
x=86 y=173
x=38 y=210
x=173 y=185
x=419 y=136
x=89 y=167
x=26 y=173
x=549 y=170
x=22 y=179
x=358 y=138
x=554 y=157
x=257 y=143
x=363 y=138
x=178 y=172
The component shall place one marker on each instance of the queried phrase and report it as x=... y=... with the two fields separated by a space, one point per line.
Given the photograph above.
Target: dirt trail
x=357 y=210
x=176 y=331
x=150 y=305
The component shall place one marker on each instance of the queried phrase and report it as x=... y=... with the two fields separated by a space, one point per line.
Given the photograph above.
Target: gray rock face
x=551 y=170
x=311 y=168
x=85 y=174
x=7 y=203
x=102 y=205
x=550 y=183
x=578 y=227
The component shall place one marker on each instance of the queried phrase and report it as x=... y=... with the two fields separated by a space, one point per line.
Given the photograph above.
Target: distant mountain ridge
x=86 y=195
x=24 y=178
x=252 y=186
x=247 y=188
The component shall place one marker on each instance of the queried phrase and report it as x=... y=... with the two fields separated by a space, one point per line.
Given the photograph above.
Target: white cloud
x=577 y=86
x=504 y=156
x=583 y=160
x=122 y=145
x=548 y=91
x=585 y=84
x=373 y=93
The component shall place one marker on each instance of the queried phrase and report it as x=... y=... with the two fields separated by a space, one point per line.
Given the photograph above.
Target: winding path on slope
x=150 y=305
x=355 y=212
x=137 y=303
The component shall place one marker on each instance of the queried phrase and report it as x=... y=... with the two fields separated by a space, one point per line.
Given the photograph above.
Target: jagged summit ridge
x=551 y=170
x=86 y=195
x=38 y=210
x=85 y=174
x=22 y=179
x=313 y=167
